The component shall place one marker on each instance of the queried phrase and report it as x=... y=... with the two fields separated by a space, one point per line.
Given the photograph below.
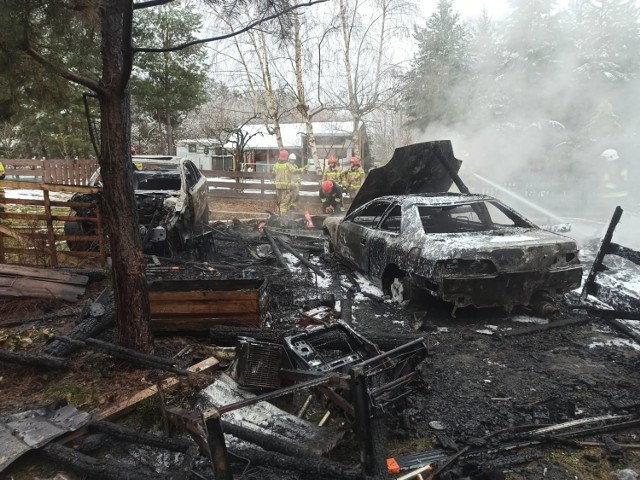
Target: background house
x=261 y=150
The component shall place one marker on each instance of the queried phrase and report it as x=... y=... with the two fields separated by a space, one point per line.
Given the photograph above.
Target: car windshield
x=466 y=218
x=157 y=180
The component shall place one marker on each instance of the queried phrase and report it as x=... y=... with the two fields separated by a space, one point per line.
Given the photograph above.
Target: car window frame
x=357 y=212
x=386 y=214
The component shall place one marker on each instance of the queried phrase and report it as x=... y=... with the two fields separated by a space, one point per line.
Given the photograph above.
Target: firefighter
x=331 y=197
x=615 y=186
x=333 y=171
x=1 y=189
x=283 y=179
x=354 y=177
x=296 y=180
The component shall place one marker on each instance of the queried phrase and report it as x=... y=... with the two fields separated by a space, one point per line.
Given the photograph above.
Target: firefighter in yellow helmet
x=354 y=177
x=283 y=179
x=333 y=171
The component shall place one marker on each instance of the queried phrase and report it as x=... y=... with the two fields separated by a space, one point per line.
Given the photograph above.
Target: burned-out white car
x=465 y=249
x=171 y=197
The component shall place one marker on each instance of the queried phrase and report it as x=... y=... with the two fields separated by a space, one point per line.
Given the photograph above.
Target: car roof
x=157 y=159
x=436 y=199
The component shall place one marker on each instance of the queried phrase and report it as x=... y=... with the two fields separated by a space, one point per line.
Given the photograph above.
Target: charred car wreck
x=408 y=234
x=171 y=198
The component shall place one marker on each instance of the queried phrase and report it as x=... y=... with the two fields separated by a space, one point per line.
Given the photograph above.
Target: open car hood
x=413 y=169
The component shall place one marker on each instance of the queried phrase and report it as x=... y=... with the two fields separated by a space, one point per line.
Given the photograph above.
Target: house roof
x=292 y=134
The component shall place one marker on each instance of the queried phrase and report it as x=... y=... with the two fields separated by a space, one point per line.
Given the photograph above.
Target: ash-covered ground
x=481 y=382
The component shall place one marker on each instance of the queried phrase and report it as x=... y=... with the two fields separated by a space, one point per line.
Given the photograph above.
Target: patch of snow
x=442 y=330
x=528 y=319
x=616 y=342
x=510 y=239
x=367 y=286
x=398 y=322
x=485 y=331
x=36 y=195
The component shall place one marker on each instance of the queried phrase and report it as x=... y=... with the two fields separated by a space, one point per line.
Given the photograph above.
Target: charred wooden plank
x=549 y=326
x=303 y=260
x=127 y=354
x=276 y=249
x=588 y=288
x=307 y=467
x=134 y=436
x=624 y=252
x=32 y=360
x=91 y=467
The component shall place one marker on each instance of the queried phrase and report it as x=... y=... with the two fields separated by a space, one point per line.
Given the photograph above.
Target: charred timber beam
x=133 y=436
x=549 y=326
x=94 y=468
x=218 y=446
x=268 y=442
x=37 y=360
x=605 y=313
x=41 y=318
x=604 y=248
x=276 y=393
x=127 y=354
x=624 y=252
x=276 y=249
x=369 y=428
x=90 y=326
x=303 y=260
x=311 y=467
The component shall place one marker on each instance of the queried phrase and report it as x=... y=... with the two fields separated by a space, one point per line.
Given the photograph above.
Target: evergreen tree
x=168 y=85
x=439 y=69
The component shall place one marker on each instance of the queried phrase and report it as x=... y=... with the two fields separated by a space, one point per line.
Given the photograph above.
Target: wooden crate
x=193 y=306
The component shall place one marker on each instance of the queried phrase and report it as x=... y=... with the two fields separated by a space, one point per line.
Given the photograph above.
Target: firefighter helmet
x=332 y=160
x=327 y=186
x=284 y=155
x=355 y=161
x=610 y=155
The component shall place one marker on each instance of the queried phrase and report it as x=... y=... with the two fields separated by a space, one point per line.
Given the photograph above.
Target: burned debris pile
x=275 y=360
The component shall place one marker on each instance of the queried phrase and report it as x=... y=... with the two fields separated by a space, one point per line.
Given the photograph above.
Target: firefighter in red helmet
x=331 y=197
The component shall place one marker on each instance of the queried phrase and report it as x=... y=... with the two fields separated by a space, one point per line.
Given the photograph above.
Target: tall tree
x=366 y=31
x=168 y=85
x=440 y=67
x=29 y=26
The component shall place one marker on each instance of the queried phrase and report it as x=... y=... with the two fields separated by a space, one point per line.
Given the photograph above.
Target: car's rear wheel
x=327 y=246
x=400 y=290
x=80 y=229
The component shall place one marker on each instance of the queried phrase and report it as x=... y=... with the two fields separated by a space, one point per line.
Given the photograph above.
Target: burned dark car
x=465 y=249
x=171 y=197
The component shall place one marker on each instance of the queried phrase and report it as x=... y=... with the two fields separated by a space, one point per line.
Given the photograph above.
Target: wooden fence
x=59 y=172
x=32 y=225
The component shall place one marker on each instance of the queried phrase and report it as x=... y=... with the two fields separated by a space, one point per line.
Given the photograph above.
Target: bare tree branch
x=231 y=34
x=64 y=73
x=151 y=3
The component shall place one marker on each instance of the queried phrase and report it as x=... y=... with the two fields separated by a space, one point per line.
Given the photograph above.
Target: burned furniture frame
x=607 y=248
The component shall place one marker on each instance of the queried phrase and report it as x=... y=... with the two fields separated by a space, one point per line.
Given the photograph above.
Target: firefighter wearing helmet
x=333 y=171
x=354 y=177
x=296 y=180
x=616 y=177
x=331 y=197
x=283 y=180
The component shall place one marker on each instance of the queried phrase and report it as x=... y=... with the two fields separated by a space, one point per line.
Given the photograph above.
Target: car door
x=383 y=239
x=196 y=188
x=355 y=233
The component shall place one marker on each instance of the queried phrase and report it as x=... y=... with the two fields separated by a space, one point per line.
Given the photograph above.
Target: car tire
x=400 y=290
x=327 y=246
x=79 y=228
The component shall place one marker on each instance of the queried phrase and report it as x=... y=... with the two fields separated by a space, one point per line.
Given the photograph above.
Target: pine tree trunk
x=129 y=279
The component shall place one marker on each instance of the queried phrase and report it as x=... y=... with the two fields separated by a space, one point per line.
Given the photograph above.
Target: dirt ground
x=477 y=387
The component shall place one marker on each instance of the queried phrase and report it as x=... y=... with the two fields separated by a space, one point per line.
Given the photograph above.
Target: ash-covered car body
x=171 y=198
x=465 y=249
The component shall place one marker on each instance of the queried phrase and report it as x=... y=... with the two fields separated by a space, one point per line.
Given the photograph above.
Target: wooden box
x=193 y=306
